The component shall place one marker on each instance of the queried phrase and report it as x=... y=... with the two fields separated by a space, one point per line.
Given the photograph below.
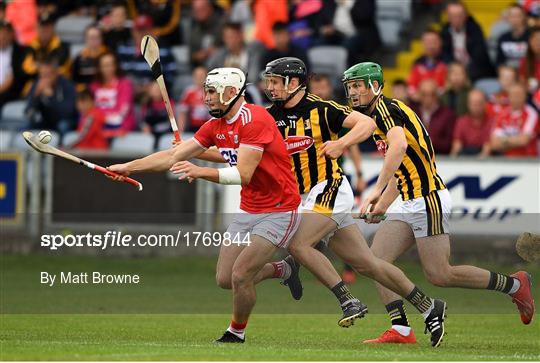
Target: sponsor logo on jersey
x=281 y=123
x=220 y=136
x=230 y=155
x=296 y=144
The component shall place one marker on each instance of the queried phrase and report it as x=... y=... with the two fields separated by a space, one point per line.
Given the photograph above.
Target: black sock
x=500 y=282
x=419 y=300
x=342 y=293
x=396 y=310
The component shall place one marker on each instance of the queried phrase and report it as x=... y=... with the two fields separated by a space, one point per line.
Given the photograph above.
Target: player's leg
x=392 y=239
x=322 y=207
x=434 y=250
x=277 y=229
x=286 y=270
x=349 y=244
x=434 y=253
x=227 y=256
x=312 y=229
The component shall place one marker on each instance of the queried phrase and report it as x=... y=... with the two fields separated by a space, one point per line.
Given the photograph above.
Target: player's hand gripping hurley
x=150 y=52
x=37 y=145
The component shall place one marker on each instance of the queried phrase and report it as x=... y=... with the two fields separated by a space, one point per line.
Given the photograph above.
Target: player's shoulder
x=390 y=106
x=320 y=102
x=256 y=112
x=211 y=122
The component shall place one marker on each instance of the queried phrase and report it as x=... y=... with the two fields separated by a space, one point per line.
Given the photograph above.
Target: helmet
x=221 y=78
x=287 y=68
x=367 y=72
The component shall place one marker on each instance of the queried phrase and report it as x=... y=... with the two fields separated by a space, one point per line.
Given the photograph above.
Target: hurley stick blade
x=528 y=246
x=37 y=145
x=150 y=52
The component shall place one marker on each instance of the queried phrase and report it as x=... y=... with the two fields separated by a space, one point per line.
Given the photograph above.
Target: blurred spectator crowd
x=76 y=65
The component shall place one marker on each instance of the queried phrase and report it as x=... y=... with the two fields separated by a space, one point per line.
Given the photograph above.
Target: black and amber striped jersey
x=417 y=175
x=305 y=127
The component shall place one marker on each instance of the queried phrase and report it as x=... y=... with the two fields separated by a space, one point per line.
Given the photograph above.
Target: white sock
x=282 y=270
x=239 y=333
x=403 y=330
x=515 y=286
x=426 y=314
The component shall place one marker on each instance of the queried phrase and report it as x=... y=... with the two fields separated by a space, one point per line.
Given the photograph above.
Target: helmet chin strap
x=218 y=113
x=365 y=108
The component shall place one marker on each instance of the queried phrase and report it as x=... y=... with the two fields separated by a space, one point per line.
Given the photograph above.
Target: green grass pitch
x=177 y=312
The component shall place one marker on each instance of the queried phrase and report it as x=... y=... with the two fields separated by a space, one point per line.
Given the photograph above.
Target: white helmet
x=220 y=78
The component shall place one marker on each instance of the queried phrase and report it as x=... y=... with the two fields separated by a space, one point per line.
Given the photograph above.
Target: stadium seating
x=165 y=141
x=71 y=28
x=391 y=17
x=135 y=142
x=327 y=59
x=181 y=54
x=5 y=139
x=75 y=49
x=488 y=85
x=69 y=138
x=187 y=135
x=13 y=111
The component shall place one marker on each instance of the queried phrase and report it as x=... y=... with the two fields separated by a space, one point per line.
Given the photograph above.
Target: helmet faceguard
x=221 y=78
x=285 y=68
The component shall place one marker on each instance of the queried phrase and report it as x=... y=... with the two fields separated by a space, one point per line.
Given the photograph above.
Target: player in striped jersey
x=310 y=127
x=422 y=215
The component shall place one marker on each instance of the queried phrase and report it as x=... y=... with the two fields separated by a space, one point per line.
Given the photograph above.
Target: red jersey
x=497 y=103
x=511 y=123
x=272 y=187
x=426 y=69
x=91 y=131
x=471 y=134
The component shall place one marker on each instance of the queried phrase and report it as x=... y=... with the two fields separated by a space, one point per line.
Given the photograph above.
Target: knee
x=366 y=267
x=224 y=281
x=441 y=277
x=296 y=250
x=240 y=277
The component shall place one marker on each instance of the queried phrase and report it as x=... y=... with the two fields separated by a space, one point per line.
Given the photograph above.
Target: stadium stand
x=328 y=59
x=134 y=142
x=71 y=28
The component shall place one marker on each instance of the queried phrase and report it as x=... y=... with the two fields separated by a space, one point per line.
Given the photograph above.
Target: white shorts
x=335 y=200
x=278 y=227
x=427 y=216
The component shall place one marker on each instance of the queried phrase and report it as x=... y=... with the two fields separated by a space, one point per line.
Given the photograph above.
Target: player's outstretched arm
x=212 y=155
x=158 y=161
x=248 y=160
x=361 y=128
x=186 y=150
x=155 y=162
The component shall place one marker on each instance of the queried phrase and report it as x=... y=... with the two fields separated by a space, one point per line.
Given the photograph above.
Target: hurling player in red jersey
x=248 y=140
